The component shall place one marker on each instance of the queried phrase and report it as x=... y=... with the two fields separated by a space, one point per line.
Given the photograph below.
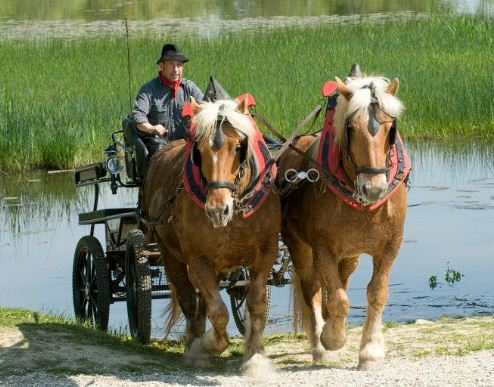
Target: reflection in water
x=220 y=9
x=449 y=224
x=35 y=19
x=456 y=158
x=37 y=197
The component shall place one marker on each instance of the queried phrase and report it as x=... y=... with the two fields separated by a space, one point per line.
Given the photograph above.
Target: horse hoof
x=214 y=345
x=321 y=356
x=370 y=365
x=333 y=343
x=195 y=355
x=258 y=367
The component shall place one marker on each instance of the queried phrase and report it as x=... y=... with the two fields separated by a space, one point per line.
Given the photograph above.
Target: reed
x=61 y=99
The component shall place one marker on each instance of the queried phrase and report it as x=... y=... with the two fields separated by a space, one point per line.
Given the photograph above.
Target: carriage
x=125 y=267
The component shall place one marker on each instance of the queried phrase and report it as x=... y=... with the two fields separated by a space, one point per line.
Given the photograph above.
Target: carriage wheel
x=91 y=283
x=138 y=280
x=238 y=300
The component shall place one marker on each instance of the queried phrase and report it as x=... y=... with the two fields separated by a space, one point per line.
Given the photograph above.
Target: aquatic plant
x=61 y=99
x=451 y=276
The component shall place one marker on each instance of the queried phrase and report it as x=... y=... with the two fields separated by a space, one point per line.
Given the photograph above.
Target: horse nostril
x=209 y=212
x=226 y=211
x=364 y=189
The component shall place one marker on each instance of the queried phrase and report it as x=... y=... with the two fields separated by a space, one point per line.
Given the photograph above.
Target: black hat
x=172 y=52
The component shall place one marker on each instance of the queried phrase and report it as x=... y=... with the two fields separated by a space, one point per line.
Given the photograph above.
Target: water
x=35 y=19
x=21 y=10
x=449 y=224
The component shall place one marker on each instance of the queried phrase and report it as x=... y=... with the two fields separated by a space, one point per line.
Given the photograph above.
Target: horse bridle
x=373 y=128
x=218 y=141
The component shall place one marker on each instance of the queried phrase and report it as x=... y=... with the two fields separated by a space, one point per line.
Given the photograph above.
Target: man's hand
x=155 y=130
x=160 y=130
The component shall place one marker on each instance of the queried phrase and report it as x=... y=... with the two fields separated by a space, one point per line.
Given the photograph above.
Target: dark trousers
x=152 y=144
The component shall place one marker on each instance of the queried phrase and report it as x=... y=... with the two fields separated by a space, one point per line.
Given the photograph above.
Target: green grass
x=34 y=321
x=40 y=331
x=61 y=99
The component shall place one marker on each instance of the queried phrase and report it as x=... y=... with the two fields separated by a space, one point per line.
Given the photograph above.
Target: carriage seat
x=136 y=157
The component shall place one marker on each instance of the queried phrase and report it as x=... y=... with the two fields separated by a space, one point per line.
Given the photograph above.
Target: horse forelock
x=206 y=121
x=364 y=92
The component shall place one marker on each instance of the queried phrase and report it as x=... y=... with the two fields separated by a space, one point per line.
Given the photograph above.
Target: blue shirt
x=154 y=104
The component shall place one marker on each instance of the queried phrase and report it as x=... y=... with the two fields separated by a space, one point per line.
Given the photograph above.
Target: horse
x=224 y=215
x=327 y=226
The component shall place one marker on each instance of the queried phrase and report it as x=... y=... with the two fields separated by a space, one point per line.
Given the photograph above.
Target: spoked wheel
x=238 y=299
x=138 y=277
x=91 y=283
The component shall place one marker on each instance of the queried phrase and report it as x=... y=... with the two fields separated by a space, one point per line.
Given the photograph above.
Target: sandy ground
x=448 y=352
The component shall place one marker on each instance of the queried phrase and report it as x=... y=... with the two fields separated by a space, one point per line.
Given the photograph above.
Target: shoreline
x=46 y=350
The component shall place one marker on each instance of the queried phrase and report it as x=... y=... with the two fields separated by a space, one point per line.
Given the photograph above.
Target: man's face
x=172 y=69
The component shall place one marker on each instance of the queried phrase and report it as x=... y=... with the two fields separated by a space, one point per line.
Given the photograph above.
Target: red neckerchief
x=173 y=85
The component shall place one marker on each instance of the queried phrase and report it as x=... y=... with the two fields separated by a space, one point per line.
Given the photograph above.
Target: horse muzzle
x=370 y=188
x=219 y=208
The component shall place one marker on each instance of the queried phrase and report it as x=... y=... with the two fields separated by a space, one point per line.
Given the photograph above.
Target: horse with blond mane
x=358 y=207
x=223 y=216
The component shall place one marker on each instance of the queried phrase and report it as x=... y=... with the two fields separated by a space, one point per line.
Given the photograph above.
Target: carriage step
x=101 y=216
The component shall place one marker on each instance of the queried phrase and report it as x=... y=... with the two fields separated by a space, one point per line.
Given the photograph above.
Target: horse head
x=221 y=150
x=365 y=130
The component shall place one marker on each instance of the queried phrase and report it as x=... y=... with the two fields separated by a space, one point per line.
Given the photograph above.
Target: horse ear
x=393 y=86
x=196 y=108
x=343 y=89
x=243 y=106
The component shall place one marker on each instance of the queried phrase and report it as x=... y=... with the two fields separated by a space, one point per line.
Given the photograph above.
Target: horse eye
x=238 y=148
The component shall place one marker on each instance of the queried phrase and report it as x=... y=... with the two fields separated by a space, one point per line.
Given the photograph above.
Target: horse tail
x=172 y=311
x=301 y=312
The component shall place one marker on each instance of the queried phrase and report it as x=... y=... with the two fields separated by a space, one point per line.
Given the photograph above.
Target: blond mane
x=206 y=120
x=360 y=101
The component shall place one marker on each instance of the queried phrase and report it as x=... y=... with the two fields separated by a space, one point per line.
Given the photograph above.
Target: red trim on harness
x=249 y=98
x=329 y=88
x=329 y=158
x=187 y=110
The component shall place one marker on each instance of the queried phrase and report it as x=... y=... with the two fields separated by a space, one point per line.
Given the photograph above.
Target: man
x=158 y=107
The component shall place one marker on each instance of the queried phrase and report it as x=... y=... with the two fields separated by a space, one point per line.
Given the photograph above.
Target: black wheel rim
x=239 y=298
x=87 y=290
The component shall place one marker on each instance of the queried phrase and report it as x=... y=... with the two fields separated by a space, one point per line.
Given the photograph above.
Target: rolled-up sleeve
x=142 y=106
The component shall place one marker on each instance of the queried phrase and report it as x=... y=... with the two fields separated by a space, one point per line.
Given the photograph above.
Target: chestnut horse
x=326 y=236
x=201 y=244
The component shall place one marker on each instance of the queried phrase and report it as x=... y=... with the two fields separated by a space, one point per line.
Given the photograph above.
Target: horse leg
x=301 y=256
x=256 y=306
x=205 y=279
x=254 y=363
x=186 y=296
x=372 y=349
x=345 y=268
x=334 y=335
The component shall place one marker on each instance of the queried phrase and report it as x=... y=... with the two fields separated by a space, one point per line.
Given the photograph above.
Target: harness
x=329 y=158
x=261 y=164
